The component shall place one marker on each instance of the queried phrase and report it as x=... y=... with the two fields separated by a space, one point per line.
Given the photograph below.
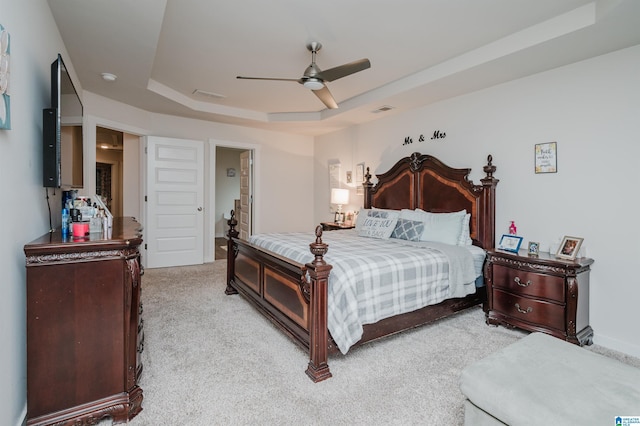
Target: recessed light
x=107 y=76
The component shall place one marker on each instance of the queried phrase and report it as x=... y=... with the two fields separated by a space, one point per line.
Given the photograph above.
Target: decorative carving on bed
x=294 y=295
x=424 y=182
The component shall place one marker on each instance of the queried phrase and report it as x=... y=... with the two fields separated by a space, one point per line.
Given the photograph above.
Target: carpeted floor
x=211 y=359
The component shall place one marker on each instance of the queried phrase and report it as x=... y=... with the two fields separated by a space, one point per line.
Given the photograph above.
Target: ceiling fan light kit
x=313 y=84
x=314 y=78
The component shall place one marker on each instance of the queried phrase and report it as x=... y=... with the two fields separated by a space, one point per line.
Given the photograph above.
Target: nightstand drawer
x=537 y=312
x=548 y=287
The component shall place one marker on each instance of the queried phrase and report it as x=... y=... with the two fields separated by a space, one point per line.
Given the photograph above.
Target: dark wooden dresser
x=539 y=294
x=84 y=327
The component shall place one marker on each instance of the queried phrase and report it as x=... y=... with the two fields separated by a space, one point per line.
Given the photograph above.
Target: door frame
x=210 y=197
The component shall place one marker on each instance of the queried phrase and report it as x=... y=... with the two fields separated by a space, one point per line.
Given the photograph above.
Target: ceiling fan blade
x=325 y=96
x=268 y=78
x=344 y=70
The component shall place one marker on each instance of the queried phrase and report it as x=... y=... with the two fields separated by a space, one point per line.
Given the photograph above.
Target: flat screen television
x=62 y=155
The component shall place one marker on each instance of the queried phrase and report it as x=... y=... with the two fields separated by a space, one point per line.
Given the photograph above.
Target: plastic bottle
x=512 y=228
x=65 y=222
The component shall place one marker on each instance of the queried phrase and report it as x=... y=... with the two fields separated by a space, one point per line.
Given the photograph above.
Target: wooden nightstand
x=332 y=226
x=539 y=294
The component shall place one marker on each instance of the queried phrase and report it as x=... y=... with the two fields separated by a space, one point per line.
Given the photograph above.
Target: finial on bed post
x=489 y=204
x=318 y=368
x=367 y=189
x=231 y=253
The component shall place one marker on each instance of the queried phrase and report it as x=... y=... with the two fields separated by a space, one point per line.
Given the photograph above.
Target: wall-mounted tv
x=62 y=155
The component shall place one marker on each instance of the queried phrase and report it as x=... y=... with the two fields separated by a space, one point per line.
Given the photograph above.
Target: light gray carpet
x=211 y=359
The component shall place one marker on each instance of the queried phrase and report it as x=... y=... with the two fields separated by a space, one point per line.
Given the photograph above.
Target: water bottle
x=65 y=222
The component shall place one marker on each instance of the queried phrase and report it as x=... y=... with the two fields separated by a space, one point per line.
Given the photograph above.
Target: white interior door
x=174 y=230
x=246 y=201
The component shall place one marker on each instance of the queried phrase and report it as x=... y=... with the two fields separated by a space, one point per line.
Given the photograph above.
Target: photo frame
x=569 y=248
x=546 y=158
x=534 y=248
x=510 y=243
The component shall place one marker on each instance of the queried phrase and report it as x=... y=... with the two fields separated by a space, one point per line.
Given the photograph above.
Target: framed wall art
x=569 y=248
x=546 y=158
x=5 y=100
x=359 y=178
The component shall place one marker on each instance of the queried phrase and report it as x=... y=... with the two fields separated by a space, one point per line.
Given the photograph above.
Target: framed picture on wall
x=546 y=159
x=359 y=178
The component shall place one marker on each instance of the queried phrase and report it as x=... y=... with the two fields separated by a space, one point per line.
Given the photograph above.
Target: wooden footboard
x=292 y=295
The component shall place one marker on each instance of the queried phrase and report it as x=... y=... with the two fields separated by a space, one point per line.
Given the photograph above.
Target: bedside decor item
x=546 y=160
x=340 y=197
x=534 y=248
x=512 y=228
x=569 y=248
x=510 y=243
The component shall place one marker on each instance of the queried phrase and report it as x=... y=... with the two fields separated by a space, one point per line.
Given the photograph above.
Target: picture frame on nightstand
x=509 y=242
x=534 y=248
x=569 y=248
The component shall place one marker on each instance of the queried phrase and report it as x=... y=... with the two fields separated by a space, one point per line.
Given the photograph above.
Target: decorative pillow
x=376 y=223
x=445 y=227
x=408 y=229
x=362 y=215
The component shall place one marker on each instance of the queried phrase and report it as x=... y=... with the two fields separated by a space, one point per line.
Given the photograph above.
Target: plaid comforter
x=373 y=279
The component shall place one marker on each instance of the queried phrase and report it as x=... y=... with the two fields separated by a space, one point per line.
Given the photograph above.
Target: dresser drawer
x=545 y=314
x=532 y=284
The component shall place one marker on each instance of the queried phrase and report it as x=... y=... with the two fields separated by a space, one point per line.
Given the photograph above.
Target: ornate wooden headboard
x=423 y=181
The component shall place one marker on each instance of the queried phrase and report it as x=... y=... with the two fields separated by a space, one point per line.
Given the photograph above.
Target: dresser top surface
x=126 y=231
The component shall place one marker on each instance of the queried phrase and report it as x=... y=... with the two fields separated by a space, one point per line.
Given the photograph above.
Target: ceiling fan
x=314 y=78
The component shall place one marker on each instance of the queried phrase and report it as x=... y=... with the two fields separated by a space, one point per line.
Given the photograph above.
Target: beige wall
x=591 y=110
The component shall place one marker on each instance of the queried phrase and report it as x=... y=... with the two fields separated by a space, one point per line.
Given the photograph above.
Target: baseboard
x=617 y=345
x=22 y=416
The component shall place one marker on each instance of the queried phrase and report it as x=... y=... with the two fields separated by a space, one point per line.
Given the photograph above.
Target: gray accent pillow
x=406 y=229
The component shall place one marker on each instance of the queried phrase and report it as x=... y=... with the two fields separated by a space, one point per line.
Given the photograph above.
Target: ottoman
x=542 y=380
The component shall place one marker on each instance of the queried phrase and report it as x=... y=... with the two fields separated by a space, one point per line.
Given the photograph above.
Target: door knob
x=199 y=209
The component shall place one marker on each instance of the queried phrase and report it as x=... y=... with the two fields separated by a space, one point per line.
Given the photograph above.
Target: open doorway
x=233 y=191
x=109 y=168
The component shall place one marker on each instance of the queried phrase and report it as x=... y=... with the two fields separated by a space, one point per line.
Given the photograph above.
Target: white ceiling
x=421 y=51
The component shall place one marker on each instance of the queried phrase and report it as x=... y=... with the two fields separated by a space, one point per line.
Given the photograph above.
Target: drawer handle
x=523 y=311
x=521 y=284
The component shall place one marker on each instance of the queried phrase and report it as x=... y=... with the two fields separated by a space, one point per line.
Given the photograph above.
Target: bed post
x=231 y=253
x=367 y=189
x=489 y=205
x=318 y=269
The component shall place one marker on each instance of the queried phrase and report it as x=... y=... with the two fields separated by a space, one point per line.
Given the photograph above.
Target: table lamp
x=339 y=196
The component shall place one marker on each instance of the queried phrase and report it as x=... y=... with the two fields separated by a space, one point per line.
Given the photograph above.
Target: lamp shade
x=339 y=196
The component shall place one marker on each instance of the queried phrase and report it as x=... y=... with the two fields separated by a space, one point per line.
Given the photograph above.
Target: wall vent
x=383 y=108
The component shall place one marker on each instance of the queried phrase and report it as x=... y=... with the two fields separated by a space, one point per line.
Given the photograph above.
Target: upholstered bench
x=542 y=380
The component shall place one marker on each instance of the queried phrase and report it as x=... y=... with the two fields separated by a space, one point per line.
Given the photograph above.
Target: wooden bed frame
x=279 y=288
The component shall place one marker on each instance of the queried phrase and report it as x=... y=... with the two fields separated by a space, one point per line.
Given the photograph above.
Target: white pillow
x=465 y=234
x=376 y=223
x=443 y=228
x=450 y=228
